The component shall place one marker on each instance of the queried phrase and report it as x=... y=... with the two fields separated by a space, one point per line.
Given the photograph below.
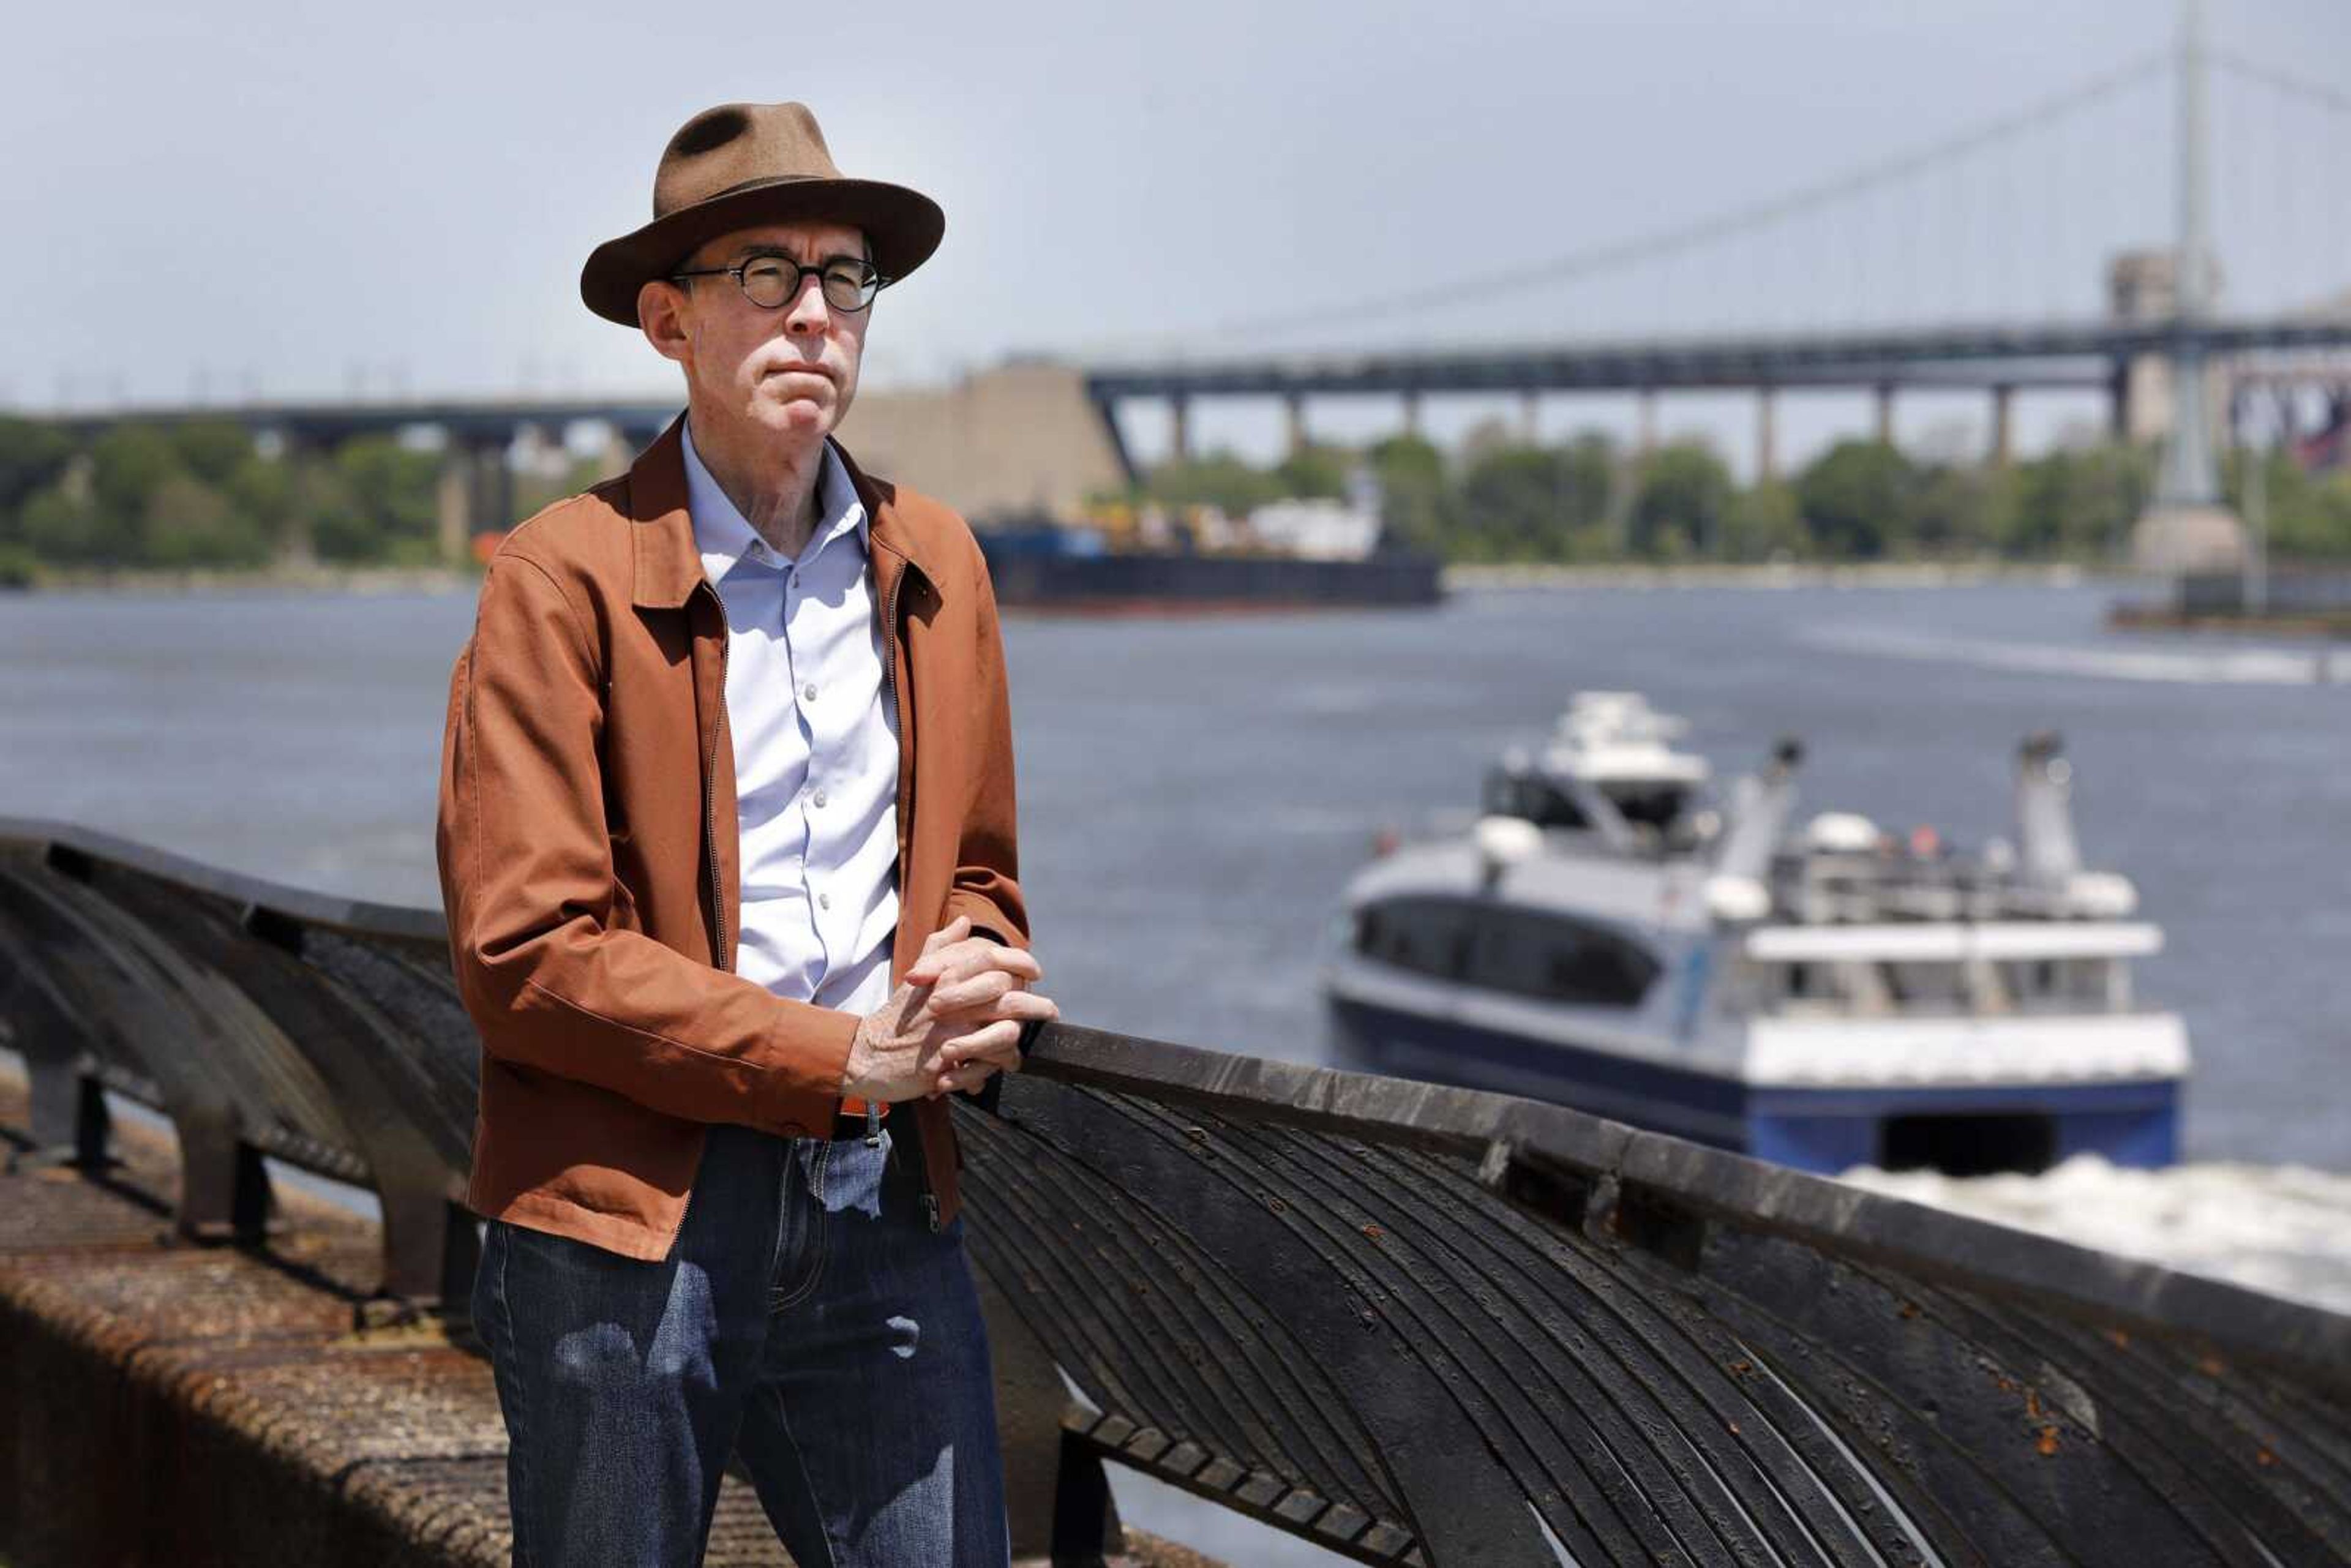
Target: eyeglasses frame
x=800 y=273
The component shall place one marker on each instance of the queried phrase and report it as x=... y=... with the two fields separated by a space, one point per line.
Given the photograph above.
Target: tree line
x=1587 y=501
x=203 y=493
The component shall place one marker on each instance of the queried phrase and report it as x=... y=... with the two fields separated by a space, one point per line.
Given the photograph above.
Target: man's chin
x=800 y=416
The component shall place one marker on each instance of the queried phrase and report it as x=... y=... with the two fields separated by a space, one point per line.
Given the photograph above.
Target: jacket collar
x=669 y=560
x=725 y=536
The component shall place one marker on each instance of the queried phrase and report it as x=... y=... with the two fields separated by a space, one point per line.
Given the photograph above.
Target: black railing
x=1413 y=1324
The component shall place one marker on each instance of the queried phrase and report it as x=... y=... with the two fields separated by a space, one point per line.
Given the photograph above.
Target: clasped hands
x=955 y=1018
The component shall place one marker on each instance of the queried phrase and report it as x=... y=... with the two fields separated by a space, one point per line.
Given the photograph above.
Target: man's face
x=791 y=369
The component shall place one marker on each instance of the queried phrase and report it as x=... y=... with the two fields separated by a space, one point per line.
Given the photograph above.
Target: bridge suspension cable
x=2269 y=77
x=1665 y=243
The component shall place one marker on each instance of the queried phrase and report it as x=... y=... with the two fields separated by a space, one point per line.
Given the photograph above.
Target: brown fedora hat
x=741 y=164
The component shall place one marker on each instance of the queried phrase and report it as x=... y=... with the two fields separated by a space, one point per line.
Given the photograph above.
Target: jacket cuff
x=811 y=1051
x=987 y=919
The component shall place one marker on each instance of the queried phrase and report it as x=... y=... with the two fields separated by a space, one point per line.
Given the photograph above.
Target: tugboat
x=1606 y=937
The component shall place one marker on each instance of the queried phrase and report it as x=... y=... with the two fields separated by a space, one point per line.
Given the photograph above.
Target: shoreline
x=2326 y=627
x=1456 y=577
x=1776 y=574
x=134 y=582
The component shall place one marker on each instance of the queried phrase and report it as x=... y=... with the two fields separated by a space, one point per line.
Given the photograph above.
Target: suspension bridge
x=2073 y=245
x=1960 y=265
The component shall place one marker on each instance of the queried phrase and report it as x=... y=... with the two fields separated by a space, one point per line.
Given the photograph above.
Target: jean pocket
x=806 y=1232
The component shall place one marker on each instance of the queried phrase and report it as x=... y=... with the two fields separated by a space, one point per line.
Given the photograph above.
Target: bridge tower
x=2187 y=527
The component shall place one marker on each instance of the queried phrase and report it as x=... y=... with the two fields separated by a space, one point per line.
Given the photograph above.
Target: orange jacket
x=588 y=845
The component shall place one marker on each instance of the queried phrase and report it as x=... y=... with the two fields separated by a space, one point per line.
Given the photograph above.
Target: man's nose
x=808 y=312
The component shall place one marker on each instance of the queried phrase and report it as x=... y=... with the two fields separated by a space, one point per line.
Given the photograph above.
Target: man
x=727 y=843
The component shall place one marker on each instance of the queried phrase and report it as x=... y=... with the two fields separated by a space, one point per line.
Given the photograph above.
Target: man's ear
x=661 y=316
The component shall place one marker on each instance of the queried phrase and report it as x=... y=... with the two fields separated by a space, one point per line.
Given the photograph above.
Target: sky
x=291 y=201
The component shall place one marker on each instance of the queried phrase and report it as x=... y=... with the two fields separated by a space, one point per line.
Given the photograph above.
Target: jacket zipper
x=710 y=832
x=929 y=1199
x=710 y=795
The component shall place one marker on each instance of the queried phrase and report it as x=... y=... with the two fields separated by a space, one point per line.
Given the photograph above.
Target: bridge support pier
x=1411 y=413
x=2003 y=425
x=1179 y=418
x=1767 y=454
x=1293 y=413
x=1645 y=416
x=453 y=502
x=295 y=448
x=476 y=490
x=2118 y=403
x=1886 y=413
x=1530 y=411
x=494 y=483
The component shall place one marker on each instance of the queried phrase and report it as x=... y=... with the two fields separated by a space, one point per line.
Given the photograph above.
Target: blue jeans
x=805 y=1315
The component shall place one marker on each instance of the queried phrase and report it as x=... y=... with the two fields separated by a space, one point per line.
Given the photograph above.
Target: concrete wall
x=1015 y=441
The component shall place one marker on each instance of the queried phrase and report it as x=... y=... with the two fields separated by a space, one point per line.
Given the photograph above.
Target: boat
x=1045 y=567
x=1608 y=937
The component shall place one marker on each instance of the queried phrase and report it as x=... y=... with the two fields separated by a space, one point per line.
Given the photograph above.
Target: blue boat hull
x=1824 y=1130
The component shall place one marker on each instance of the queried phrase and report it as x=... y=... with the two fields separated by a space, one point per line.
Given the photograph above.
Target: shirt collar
x=726 y=537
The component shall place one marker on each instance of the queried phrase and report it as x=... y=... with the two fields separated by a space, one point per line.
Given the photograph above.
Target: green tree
x=1220 y=479
x=1315 y=472
x=1764 y=523
x=59 y=528
x=367 y=501
x=212 y=449
x=395 y=482
x=33 y=457
x=2319 y=528
x=189 y=523
x=262 y=490
x=1856 y=500
x=2079 y=503
x=1588 y=480
x=318 y=505
x=1537 y=502
x=1684 y=492
x=1513 y=506
x=128 y=465
x=1416 y=502
x=1961 y=510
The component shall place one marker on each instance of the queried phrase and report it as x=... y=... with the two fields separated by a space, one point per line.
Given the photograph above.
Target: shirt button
x=819 y=797
x=808 y=692
x=824 y=900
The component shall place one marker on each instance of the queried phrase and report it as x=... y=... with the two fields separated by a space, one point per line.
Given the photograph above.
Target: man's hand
x=955 y=1018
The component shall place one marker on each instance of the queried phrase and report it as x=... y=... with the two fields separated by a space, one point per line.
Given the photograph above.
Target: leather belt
x=848 y=1126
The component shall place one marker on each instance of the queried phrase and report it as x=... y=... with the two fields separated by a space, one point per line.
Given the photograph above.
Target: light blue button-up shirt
x=815 y=738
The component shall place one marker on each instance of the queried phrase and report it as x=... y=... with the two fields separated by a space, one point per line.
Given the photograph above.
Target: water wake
x=2284 y=1229
x=2319 y=666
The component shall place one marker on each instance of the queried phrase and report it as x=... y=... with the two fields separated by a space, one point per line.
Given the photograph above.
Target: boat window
x=1537 y=800
x=1559 y=959
x=1649 y=805
x=1927 y=986
x=1426 y=935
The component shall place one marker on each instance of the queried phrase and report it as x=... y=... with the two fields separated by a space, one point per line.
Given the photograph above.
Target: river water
x=1193 y=794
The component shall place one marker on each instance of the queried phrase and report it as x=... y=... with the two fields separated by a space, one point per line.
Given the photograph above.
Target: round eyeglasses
x=768 y=281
